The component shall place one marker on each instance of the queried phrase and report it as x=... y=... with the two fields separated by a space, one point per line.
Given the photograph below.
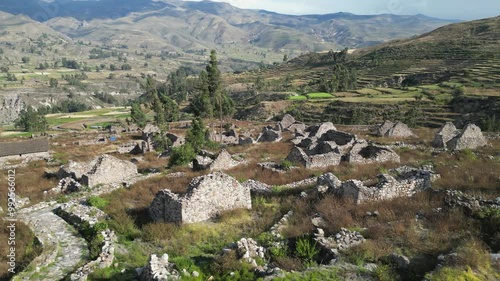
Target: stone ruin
x=248 y=250
x=394 y=130
x=132 y=148
x=222 y=162
x=148 y=134
x=406 y=182
x=206 y=197
x=227 y=137
x=270 y=134
x=288 y=123
x=448 y=137
x=457 y=199
x=158 y=269
x=104 y=169
x=322 y=146
x=343 y=240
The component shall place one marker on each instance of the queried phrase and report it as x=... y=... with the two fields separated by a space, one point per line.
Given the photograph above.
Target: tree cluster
x=31 y=120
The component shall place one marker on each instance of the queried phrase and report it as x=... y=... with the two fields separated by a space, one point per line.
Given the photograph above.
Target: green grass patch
x=319 y=96
x=297 y=98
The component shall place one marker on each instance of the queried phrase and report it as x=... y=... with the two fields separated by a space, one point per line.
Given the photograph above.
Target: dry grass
x=26 y=249
x=30 y=182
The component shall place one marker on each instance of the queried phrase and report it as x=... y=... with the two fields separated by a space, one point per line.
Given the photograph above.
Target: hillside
x=394 y=79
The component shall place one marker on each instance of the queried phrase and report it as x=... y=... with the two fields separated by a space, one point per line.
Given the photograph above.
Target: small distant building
x=21 y=148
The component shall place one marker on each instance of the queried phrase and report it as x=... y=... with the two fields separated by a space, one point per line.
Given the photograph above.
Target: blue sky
x=450 y=9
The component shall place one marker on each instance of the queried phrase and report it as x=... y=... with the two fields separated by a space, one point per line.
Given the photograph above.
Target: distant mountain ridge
x=181 y=26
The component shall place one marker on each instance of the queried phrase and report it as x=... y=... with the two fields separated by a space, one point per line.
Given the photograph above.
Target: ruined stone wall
x=213 y=194
x=24 y=147
x=166 y=207
x=207 y=196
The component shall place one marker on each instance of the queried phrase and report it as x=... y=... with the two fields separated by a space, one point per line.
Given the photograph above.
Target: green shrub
x=305 y=249
x=287 y=165
x=182 y=155
x=97 y=202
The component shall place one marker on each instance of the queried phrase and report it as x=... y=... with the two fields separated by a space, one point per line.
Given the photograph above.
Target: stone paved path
x=63 y=249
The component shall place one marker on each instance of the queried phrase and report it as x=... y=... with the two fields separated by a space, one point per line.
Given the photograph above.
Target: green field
x=319 y=96
x=297 y=98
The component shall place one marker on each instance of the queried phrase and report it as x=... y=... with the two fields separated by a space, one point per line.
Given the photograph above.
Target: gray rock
x=286 y=121
x=446 y=133
x=402 y=262
x=471 y=137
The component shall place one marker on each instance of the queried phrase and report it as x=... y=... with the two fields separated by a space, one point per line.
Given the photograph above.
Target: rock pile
x=455 y=198
x=448 y=137
x=104 y=169
x=270 y=134
x=206 y=197
x=394 y=130
x=66 y=185
x=256 y=186
x=288 y=123
x=344 y=239
x=159 y=269
x=323 y=146
x=248 y=250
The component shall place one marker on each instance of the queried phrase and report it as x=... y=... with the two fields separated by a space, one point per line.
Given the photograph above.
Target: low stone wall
x=82 y=216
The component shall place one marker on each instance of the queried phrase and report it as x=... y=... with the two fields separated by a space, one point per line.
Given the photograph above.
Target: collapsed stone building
x=206 y=197
x=406 y=182
x=223 y=161
x=323 y=146
x=449 y=137
x=394 y=130
x=104 y=169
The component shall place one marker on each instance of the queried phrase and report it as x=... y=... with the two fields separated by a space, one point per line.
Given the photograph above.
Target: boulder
x=382 y=130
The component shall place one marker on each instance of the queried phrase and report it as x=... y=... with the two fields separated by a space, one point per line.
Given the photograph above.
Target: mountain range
x=188 y=27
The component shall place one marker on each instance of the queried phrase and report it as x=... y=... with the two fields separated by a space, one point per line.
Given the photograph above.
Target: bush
x=182 y=155
x=305 y=249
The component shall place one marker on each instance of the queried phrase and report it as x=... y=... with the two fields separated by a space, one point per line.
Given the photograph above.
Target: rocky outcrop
x=105 y=169
x=206 y=197
x=394 y=130
x=159 y=269
x=448 y=137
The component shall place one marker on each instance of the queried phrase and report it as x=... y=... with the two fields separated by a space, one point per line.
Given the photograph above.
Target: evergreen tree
x=138 y=116
x=196 y=136
x=159 y=112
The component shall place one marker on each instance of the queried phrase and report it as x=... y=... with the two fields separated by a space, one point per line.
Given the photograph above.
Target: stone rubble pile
x=66 y=185
x=394 y=130
x=455 y=198
x=257 y=186
x=270 y=134
x=104 y=169
x=276 y=229
x=448 y=137
x=159 y=269
x=206 y=197
x=344 y=239
x=248 y=250
x=322 y=146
